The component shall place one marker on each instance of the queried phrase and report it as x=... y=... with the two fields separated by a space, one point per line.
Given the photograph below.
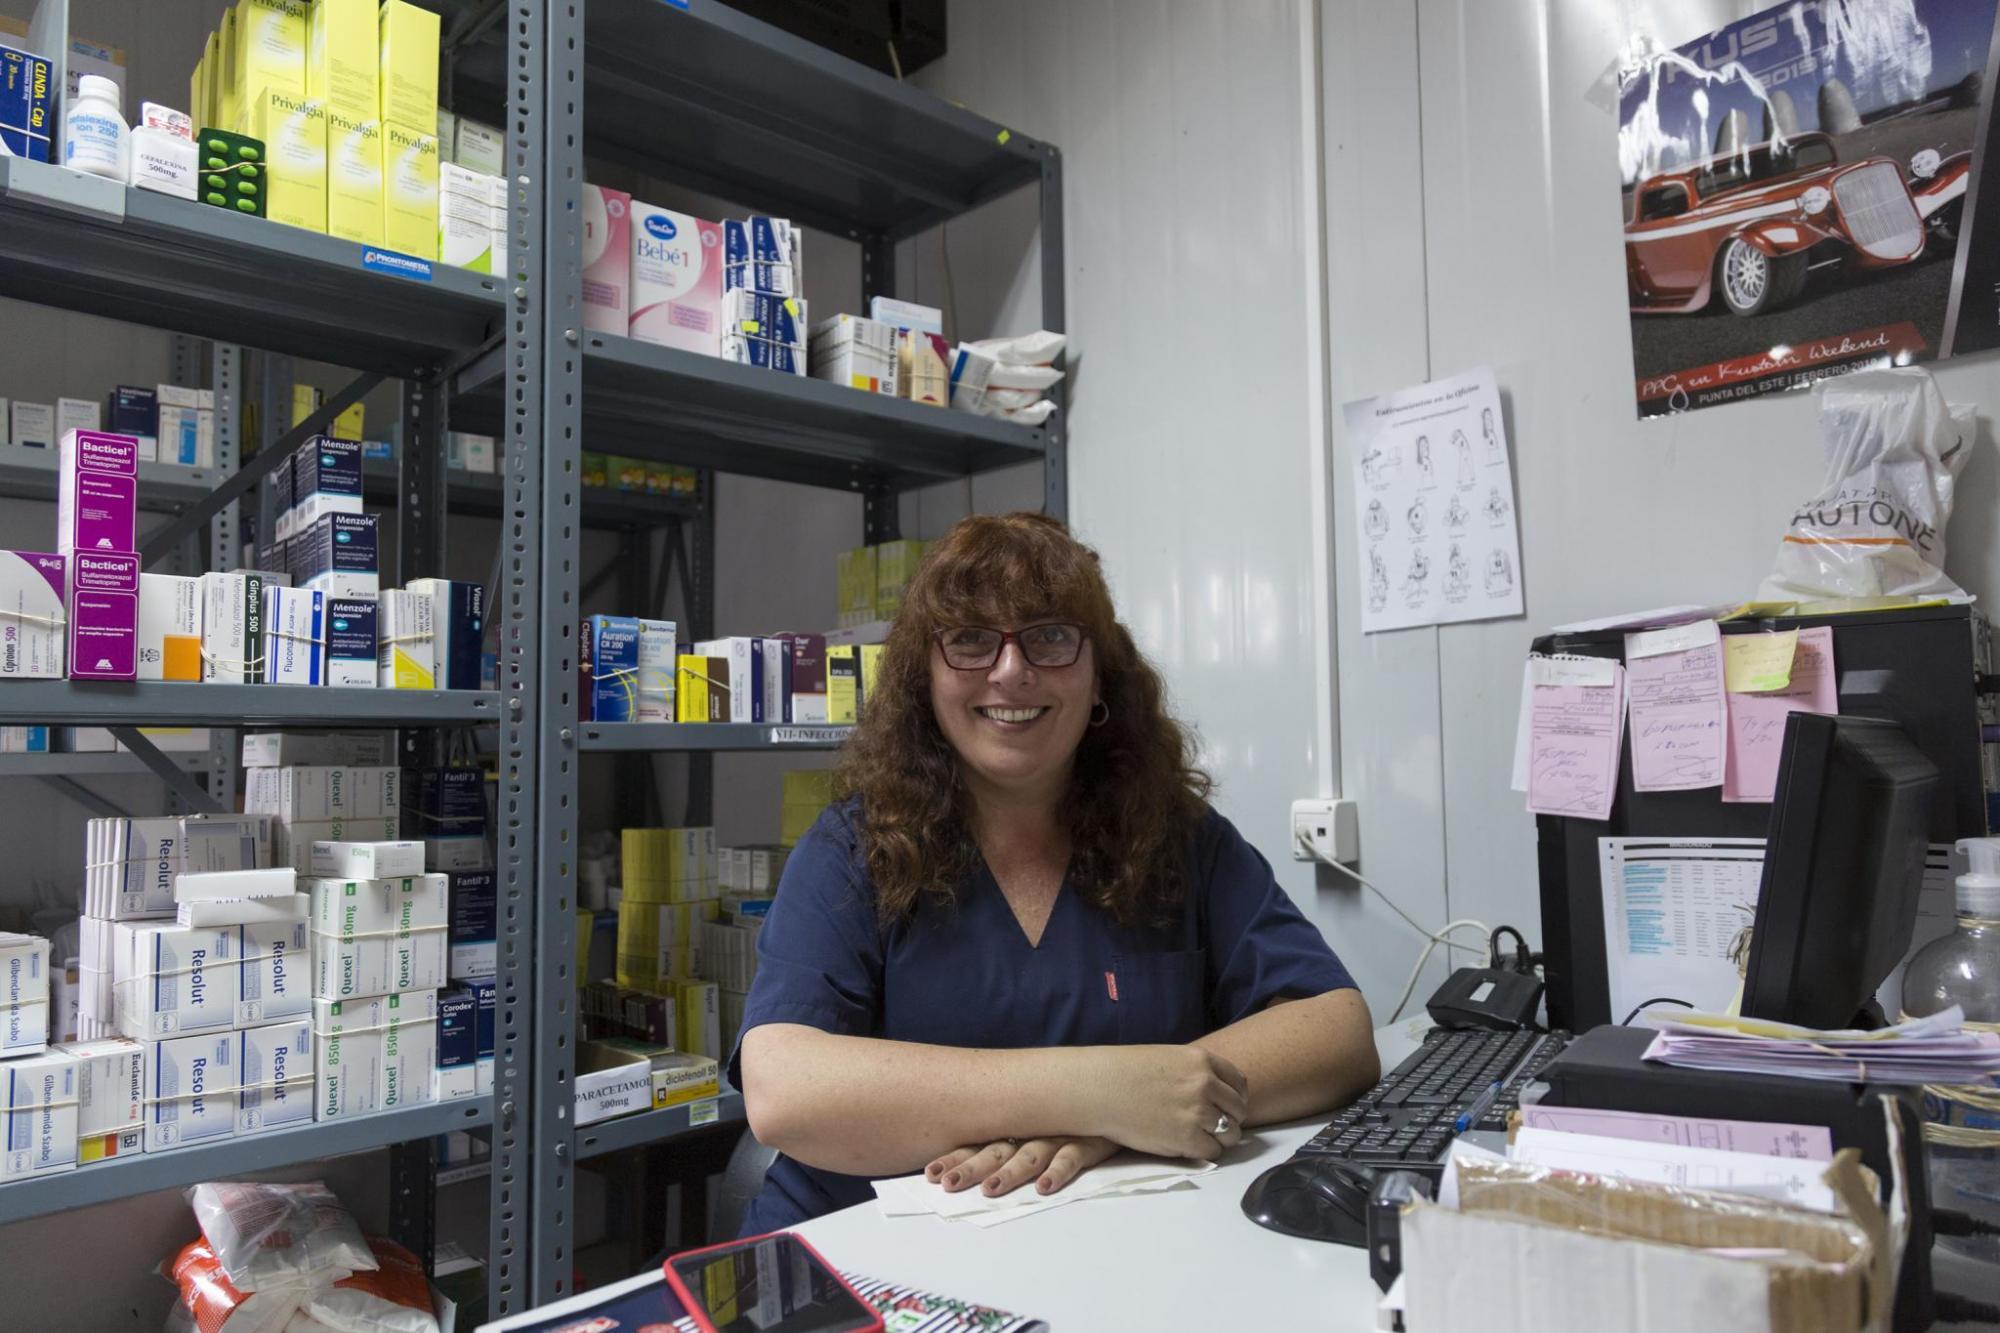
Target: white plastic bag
x=267 y=1235
x=1006 y=377
x=1876 y=526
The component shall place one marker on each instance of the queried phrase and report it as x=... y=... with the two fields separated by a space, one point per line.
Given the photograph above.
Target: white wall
x=1463 y=125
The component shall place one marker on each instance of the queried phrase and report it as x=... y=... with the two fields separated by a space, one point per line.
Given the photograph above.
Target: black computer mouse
x=1316 y=1198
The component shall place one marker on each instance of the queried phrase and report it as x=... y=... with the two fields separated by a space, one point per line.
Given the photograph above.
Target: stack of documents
x=915 y=1196
x=1933 y=1049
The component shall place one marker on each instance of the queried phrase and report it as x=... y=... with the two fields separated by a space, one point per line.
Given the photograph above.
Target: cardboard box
x=27 y=126
x=458 y=852
x=479 y=146
x=33 y=635
x=350 y=642
x=895 y=565
x=906 y=315
x=458 y=622
x=293 y=128
x=270 y=51
x=348 y=749
x=207 y=886
x=408 y=47
x=274 y=984
x=24 y=994
x=102 y=592
x=923 y=368
x=610 y=1081
x=778 y=319
x=337 y=554
x=409 y=1055
x=284 y=909
x=97 y=482
x=676 y=280
x=110 y=1098
x=784 y=358
x=475 y=919
x=343 y=57
x=175 y=980
x=32 y=425
x=169 y=633
x=191 y=1090
x=232 y=627
x=38 y=1115
x=275 y=1075
x=1528 y=1249
x=302 y=794
x=701 y=689
x=367 y=860
x=607 y=260
x=860 y=353
x=855 y=576
x=843 y=684
x=135 y=412
x=79 y=414
x=294 y=643
x=185 y=427
x=354 y=181
x=409 y=188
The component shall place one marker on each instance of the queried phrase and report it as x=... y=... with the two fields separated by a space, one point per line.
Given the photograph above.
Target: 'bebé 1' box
x=97 y=492
x=607 y=260
x=102 y=592
x=191 y=1090
x=350 y=642
x=676 y=280
x=37 y=1114
x=32 y=638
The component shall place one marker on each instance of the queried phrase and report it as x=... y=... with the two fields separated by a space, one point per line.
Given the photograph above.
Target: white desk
x=1182 y=1259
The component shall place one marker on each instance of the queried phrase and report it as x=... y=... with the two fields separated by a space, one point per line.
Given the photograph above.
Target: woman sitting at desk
x=1024 y=940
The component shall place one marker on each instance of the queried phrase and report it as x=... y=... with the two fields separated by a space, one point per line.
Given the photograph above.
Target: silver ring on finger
x=1221 y=1125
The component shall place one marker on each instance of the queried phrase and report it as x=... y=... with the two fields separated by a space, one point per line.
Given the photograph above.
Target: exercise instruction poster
x=1434 y=505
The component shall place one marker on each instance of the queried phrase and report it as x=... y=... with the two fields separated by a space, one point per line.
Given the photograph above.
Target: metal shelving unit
x=124 y=1177
x=688 y=90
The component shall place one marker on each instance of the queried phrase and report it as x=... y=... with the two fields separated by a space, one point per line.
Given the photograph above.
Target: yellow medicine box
x=410 y=191
x=293 y=129
x=227 y=102
x=343 y=61
x=409 y=66
x=270 y=50
x=354 y=204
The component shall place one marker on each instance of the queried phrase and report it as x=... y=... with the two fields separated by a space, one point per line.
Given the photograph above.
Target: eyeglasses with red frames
x=976 y=647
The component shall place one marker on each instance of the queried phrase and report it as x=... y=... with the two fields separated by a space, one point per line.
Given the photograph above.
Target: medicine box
x=219 y=885
x=405 y=634
x=352 y=749
x=446 y=801
x=32 y=425
x=270 y=51
x=293 y=128
x=609 y=1082
x=97 y=491
x=906 y=315
x=309 y=794
x=367 y=860
x=784 y=358
x=325 y=479
x=860 y=353
x=456 y=1073
x=347 y=1055
x=163 y=160
x=80 y=414
x=409 y=186
x=772 y=279
x=169 y=633
x=33 y=642
x=806 y=656
x=854 y=583
x=131 y=864
x=458 y=619
x=232 y=627
x=761 y=239
x=274 y=981
x=354 y=183
x=110 y=1098
x=336 y=554
x=473 y=937
x=26 y=105
x=608 y=667
x=173 y=979
x=484 y=993
x=408 y=47
x=274 y=1076
x=350 y=643
x=676 y=280
x=243 y=911
x=465 y=851
x=923 y=363
x=607 y=260
x=343 y=57
x=291 y=842
x=294 y=645
x=191 y=1086
x=409 y=1055
x=478 y=146
x=185 y=425
x=701 y=688
x=843 y=684
x=39 y=1107
x=135 y=412
x=102 y=592
x=24 y=994
x=778 y=319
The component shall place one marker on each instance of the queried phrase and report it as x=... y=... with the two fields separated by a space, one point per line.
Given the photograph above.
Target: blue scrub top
x=963 y=974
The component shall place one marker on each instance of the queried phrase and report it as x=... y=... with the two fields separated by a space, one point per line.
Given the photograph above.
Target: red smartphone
x=766 y=1283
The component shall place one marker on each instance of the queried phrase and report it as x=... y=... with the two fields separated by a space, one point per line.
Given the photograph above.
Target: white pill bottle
x=95 y=136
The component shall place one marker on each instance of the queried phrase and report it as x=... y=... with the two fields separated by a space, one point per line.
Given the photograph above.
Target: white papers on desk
x=1672 y=908
x=1790 y=1180
x=1434 y=505
x=1932 y=1049
x=1127 y=1173
x=1764 y=1138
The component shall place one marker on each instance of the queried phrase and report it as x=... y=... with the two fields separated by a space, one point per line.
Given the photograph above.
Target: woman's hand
x=1000 y=1168
x=1171 y=1101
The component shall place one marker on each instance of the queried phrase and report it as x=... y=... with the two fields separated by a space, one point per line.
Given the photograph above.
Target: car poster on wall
x=1795 y=187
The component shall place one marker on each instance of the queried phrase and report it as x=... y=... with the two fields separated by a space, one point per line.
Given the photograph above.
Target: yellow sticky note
x=1758 y=663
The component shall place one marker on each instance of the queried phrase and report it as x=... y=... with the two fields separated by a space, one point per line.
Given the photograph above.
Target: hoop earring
x=1095 y=719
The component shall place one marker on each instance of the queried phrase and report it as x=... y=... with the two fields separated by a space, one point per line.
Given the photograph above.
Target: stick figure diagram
x=1378 y=580
x=1419 y=517
x=1376 y=524
x=1456 y=516
x=1466 y=475
x=1419 y=575
x=1379 y=467
x=1497 y=508
x=1425 y=476
x=1496 y=452
x=1499 y=573
x=1457 y=575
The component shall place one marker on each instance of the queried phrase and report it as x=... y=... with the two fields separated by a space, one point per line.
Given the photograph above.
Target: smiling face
x=1015 y=726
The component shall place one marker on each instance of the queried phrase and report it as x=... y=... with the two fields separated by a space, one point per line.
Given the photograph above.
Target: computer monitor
x=1842 y=868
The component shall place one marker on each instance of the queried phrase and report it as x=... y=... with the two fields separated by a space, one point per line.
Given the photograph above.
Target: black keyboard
x=1408 y=1120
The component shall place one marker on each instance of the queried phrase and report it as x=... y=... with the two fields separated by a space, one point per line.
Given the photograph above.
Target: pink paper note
x=1679 y=719
x=1574 y=736
x=1757 y=721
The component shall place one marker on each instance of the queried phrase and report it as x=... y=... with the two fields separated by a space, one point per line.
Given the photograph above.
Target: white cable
x=1305 y=845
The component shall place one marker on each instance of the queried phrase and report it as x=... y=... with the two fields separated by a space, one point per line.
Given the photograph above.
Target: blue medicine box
x=26 y=102
x=609 y=690
x=457 y=1028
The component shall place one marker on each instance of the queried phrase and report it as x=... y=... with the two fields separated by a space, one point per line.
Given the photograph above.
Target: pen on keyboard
x=1477 y=1109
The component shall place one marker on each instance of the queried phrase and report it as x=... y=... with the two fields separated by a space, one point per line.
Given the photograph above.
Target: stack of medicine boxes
x=38 y=1110
x=329 y=547
x=194 y=950
x=448 y=806
x=669 y=888
x=763 y=300
x=97 y=483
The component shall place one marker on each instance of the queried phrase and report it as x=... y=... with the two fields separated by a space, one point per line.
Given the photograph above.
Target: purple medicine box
x=98 y=491
x=102 y=590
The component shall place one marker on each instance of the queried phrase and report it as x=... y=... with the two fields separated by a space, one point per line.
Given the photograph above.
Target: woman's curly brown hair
x=1135 y=797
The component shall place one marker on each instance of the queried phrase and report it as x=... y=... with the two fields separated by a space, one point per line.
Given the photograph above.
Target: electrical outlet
x=1325 y=829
